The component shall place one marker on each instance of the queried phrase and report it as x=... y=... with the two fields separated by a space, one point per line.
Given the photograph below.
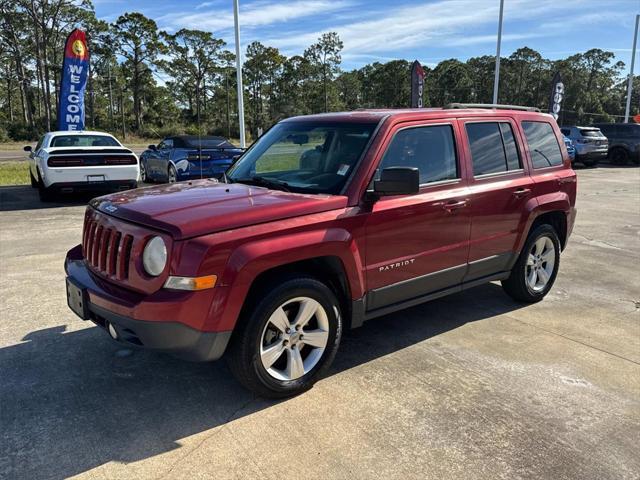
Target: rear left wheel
x=619 y=156
x=288 y=340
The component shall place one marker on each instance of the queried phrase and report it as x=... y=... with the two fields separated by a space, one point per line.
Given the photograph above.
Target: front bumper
x=174 y=337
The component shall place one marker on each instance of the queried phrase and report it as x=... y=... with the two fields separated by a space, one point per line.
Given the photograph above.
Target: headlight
x=154 y=256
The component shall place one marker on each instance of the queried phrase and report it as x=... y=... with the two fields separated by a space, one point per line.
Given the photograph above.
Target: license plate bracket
x=77 y=299
x=95 y=178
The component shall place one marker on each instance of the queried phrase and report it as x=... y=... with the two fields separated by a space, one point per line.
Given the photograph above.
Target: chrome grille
x=106 y=249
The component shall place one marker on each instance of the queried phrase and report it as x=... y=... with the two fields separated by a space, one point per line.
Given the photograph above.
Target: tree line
x=152 y=83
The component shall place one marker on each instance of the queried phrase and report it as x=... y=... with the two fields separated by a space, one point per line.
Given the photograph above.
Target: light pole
x=633 y=59
x=239 y=75
x=496 y=79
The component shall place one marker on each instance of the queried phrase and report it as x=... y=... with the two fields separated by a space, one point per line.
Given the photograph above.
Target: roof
x=375 y=115
x=78 y=132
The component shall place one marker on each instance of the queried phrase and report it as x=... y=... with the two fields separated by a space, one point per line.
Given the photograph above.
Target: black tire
x=34 y=182
x=143 y=172
x=45 y=194
x=244 y=351
x=172 y=171
x=516 y=285
x=619 y=156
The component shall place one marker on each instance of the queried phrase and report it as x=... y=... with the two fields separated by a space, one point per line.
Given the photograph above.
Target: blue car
x=570 y=148
x=187 y=157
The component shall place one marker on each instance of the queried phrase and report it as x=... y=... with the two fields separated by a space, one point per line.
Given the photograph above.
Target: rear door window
x=543 y=145
x=430 y=149
x=493 y=148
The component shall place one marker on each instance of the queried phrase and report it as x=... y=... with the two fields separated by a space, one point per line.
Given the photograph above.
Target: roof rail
x=451 y=106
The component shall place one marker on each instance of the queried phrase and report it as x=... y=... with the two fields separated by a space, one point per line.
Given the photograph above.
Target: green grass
x=14 y=173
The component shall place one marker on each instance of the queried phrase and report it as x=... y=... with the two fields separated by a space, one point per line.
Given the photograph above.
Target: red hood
x=196 y=208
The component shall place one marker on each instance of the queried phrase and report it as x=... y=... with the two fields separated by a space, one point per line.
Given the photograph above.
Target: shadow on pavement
x=23 y=197
x=74 y=401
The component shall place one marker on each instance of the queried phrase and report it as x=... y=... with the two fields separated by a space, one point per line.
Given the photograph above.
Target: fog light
x=191 y=283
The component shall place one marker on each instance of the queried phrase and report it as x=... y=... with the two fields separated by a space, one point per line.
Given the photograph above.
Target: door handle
x=455 y=205
x=522 y=192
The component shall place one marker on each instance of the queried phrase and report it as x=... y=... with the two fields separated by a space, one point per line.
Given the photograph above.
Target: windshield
x=591 y=132
x=208 y=142
x=304 y=157
x=84 y=141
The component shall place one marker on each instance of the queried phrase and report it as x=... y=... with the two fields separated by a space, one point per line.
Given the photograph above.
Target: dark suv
x=624 y=141
x=326 y=222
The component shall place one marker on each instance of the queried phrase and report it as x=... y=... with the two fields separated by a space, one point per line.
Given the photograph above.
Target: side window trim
x=456 y=153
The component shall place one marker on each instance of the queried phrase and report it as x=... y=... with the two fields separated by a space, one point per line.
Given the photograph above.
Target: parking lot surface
x=470 y=386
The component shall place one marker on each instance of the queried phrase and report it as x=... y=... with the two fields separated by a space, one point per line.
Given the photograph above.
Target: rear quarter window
x=543 y=145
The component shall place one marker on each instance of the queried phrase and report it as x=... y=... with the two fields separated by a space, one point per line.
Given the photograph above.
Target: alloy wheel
x=294 y=338
x=540 y=264
x=172 y=175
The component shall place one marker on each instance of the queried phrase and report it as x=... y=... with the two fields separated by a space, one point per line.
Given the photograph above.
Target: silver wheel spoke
x=308 y=308
x=540 y=243
x=295 y=365
x=533 y=278
x=543 y=275
x=279 y=319
x=271 y=354
x=531 y=259
x=548 y=256
x=315 y=338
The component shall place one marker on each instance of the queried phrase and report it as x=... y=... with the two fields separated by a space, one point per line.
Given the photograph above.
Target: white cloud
x=442 y=23
x=255 y=14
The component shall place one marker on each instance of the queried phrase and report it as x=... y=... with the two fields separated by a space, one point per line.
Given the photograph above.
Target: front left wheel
x=172 y=175
x=287 y=339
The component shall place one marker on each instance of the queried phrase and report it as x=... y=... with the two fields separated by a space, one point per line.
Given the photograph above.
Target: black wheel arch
x=326 y=269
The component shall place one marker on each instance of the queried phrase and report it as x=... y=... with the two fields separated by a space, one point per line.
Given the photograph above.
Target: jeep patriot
x=325 y=222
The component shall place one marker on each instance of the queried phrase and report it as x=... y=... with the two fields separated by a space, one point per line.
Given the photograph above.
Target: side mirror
x=153 y=147
x=27 y=148
x=397 y=181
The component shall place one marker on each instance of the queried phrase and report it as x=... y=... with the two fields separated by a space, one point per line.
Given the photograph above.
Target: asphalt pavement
x=472 y=386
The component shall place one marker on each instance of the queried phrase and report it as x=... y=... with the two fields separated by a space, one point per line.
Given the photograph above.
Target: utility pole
x=496 y=79
x=633 y=59
x=239 y=74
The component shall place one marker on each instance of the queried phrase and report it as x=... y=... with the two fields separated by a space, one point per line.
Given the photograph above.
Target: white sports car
x=67 y=162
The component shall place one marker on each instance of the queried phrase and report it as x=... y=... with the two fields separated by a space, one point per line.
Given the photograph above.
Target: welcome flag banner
x=75 y=71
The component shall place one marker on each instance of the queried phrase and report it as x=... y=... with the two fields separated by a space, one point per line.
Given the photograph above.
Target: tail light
x=91 y=161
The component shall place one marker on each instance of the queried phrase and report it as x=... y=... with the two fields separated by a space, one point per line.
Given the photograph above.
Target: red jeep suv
x=325 y=222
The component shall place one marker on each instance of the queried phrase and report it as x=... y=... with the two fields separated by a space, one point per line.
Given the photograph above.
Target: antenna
x=198 y=120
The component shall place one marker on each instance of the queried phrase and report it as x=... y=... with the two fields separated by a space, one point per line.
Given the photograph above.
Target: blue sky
x=427 y=30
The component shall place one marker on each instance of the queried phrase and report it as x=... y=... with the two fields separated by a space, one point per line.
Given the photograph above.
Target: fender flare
x=550 y=202
x=251 y=259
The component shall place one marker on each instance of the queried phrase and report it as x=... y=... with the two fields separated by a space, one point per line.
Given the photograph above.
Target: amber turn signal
x=191 y=283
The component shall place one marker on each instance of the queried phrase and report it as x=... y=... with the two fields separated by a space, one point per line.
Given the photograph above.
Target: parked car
x=77 y=161
x=571 y=150
x=624 y=141
x=186 y=157
x=326 y=222
x=591 y=145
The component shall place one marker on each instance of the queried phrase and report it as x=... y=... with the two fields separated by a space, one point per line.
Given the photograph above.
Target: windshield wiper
x=264 y=182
